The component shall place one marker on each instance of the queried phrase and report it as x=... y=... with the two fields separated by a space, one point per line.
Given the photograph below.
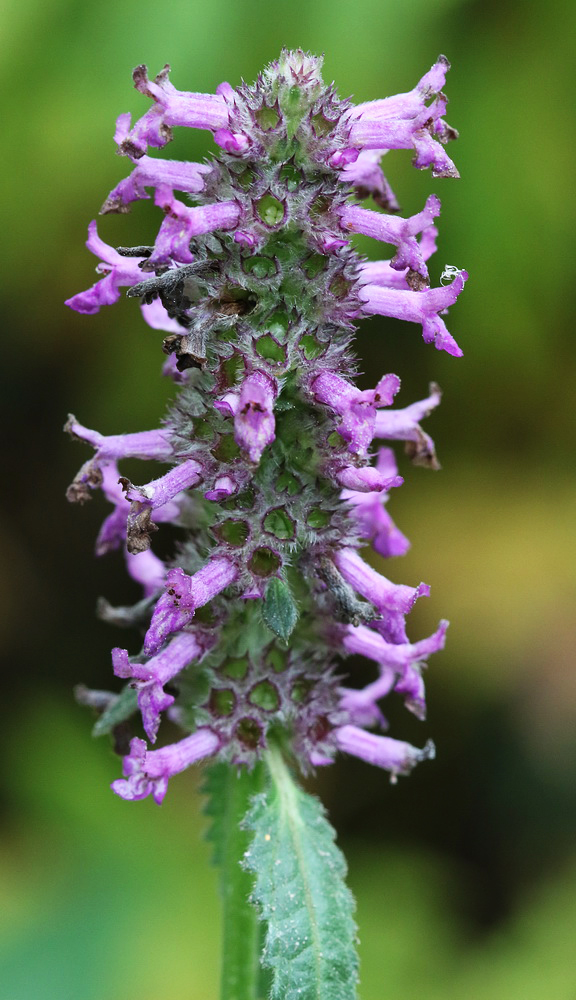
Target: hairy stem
x=241 y=934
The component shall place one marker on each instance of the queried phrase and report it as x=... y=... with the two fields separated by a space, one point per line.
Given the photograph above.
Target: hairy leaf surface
x=300 y=890
x=120 y=709
x=280 y=612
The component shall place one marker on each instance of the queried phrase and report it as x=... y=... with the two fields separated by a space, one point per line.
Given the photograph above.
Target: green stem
x=241 y=933
x=288 y=794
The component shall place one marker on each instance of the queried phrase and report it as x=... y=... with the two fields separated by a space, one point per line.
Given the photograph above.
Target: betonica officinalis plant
x=276 y=480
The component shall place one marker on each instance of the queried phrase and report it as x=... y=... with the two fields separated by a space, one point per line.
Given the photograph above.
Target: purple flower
x=343 y=158
x=234 y=143
x=417 y=307
x=381 y=272
x=146 y=772
x=393 y=755
x=102 y=471
x=172 y=107
x=151 y=676
x=143 y=444
x=246 y=239
x=253 y=411
x=175 y=609
x=357 y=409
x=365 y=479
x=384 y=595
x=373 y=519
x=361 y=706
x=224 y=487
x=404 y=659
x=411 y=685
x=147 y=570
x=155 y=495
x=149 y=172
x=181 y=224
x=160 y=491
x=254 y=415
x=368 y=643
x=118 y=271
x=157 y=317
x=403 y=425
x=112 y=534
x=365 y=173
x=393 y=229
x=406 y=121
x=144 y=567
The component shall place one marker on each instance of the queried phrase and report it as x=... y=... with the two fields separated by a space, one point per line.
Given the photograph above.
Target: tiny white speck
x=449 y=273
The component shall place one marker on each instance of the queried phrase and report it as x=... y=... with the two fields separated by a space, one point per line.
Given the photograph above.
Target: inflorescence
x=272 y=472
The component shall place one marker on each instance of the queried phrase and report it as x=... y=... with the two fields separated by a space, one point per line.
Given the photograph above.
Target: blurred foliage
x=465 y=874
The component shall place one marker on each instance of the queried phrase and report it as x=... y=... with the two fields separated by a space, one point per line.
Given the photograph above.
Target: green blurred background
x=465 y=873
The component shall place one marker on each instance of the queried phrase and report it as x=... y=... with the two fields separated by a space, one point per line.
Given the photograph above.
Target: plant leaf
x=301 y=894
x=119 y=709
x=279 y=611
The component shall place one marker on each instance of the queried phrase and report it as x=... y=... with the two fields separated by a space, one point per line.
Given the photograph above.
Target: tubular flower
x=147 y=772
x=422 y=307
x=374 y=521
x=269 y=443
x=149 y=678
x=392 y=229
x=119 y=270
x=412 y=120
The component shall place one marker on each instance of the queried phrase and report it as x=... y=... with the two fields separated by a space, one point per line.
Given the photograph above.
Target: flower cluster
x=273 y=472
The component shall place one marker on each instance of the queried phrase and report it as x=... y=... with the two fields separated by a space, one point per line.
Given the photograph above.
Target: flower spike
x=272 y=478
